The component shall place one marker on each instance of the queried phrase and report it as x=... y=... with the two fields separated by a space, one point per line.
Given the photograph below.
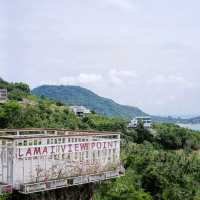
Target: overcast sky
x=144 y=53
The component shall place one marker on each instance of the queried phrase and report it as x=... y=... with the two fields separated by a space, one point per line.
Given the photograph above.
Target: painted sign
x=48 y=150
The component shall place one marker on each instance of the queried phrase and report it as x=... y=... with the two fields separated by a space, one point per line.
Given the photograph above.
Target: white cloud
x=122 y=4
x=127 y=73
x=82 y=78
x=51 y=41
x=172 y=98
x=119 y=77
x=114 y=77
x=176 y=80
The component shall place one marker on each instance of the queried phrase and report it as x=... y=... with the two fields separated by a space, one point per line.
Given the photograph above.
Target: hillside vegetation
x=75 y=95
x=161 y=164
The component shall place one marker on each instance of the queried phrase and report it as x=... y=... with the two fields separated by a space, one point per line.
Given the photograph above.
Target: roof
x=3 y=90
x=143 y=117
x=26 y=133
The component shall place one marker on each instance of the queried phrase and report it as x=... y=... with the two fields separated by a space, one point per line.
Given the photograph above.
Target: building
x=146 y=120
x=27 y=102
x=3 y=95
x=80 y=110
x=34 y=160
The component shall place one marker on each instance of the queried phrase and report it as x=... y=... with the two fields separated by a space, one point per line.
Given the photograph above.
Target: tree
x=143 y=134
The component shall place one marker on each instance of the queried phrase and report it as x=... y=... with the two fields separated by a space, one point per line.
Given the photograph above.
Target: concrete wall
x=72 y=193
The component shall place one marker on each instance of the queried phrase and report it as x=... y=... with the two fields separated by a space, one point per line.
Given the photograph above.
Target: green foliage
x=161 y=164
x=4 y=196
x=16 y=91
x=124 y=188
x=43 y=114
x=10 y=115
x=173 y=137
x=103 y=123
x=47 y=114
x=75 y=95
x=165 y=174
x=143 y=134
x=158 y=165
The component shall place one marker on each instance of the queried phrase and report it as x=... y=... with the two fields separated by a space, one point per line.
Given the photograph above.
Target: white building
x=80 y=110
x=34 y=160
x=3 y=95
x=146 y=120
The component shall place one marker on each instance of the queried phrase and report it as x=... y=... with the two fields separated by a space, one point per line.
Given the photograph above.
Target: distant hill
x=76 y=95
x=195 y=120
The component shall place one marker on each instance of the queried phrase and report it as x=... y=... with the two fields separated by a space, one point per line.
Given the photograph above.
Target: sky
x=143 y=53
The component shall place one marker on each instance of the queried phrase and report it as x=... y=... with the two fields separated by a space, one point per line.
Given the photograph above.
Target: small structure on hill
x=27 y=102
x=80 y=110
x=3 y=95
x=34 y=160
x=146 y=120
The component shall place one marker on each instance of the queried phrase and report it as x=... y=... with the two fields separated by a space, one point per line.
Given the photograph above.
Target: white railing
x=70 y=181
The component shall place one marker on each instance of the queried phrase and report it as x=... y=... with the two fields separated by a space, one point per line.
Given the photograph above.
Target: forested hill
x=195 y=120
x=23 y=110
x=75 y=95
x=161 y=163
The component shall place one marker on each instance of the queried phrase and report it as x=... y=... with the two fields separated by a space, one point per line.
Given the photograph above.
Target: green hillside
x=75 y=95
x=161 y=163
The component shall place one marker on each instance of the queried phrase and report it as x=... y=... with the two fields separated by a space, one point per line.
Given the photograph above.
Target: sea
x=195 y=127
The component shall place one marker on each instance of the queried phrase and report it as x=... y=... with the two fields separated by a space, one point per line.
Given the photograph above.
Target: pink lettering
x=110 y=144
x=57 y=149
x=52 y=149
x=104 y=145
x=29 y=152
x=98 y=145
x=63 y=148
x=45 y=151
x=20 y=154
x=37 y=151
x=70 y=147
x=84 y=146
